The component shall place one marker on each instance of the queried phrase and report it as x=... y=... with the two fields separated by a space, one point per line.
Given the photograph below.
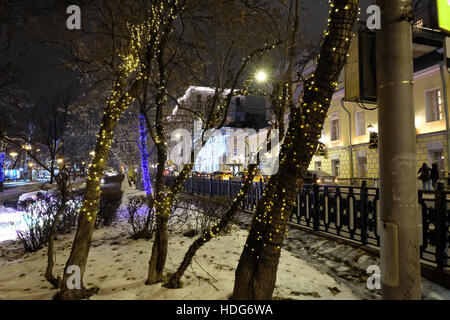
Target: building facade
x=346 y=136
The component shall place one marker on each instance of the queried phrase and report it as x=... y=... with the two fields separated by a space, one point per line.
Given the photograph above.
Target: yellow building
x=430 y=129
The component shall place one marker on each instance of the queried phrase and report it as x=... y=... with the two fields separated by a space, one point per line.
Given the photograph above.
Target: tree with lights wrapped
x=226 y=75
x=280 y=98
x=144 y=37
x=257 y=269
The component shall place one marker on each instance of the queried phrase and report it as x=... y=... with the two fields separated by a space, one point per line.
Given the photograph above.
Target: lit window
x=434 y=105
x=318 y=166
x=334 y=127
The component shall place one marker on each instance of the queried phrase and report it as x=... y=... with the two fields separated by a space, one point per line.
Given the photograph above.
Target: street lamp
x=31 y=164
x=261 y=76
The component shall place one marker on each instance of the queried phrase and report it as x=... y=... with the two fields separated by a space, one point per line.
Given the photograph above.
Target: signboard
x=443 y=8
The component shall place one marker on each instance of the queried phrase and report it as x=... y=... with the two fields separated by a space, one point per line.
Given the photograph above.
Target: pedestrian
x=434 y=175
x=424 y=175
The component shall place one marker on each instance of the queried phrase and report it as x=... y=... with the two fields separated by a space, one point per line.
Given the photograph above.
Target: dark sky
x=41 y=76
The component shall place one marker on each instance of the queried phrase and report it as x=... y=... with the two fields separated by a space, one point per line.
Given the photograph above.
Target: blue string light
x=144 y=156
x=2 y=159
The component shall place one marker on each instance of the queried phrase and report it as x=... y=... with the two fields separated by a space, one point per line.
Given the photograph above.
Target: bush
x=205 y=213
x=110 y=200
x=39 y=215
x=141 y=217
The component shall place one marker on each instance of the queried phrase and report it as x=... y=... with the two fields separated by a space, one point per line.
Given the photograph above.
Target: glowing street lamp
x=60 y=161
x=92 y=153
x=261 y=76
x=13 y=154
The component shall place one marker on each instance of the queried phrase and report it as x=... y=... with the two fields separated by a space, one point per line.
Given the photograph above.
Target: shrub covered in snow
x=141 y=217
x=39 y=214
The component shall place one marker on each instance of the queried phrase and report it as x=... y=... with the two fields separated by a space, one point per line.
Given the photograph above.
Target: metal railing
x=351 y=213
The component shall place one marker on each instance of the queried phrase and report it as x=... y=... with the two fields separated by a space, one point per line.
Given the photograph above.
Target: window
x=362 y=167
x=360 y=123
x=334 y=126
x=434 y=105
x=335 y=167
x=318 y=165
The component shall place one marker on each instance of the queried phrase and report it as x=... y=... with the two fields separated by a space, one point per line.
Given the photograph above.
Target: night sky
x=41 y=76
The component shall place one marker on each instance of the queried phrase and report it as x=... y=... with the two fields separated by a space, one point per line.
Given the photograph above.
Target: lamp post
x=30 y=166
x=399 y=225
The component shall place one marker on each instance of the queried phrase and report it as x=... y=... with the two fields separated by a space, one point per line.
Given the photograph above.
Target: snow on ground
x=118 y=265
x=10 y=221
x=309 y=268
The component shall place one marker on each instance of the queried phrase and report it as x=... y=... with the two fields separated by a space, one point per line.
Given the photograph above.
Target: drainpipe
x=447 y=125
x=350 y=137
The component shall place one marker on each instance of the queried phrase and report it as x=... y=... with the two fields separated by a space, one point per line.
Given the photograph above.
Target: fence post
x=316 y=221
x=440 y=224
x=363 y=206
x=210 y=187
x=261 y=189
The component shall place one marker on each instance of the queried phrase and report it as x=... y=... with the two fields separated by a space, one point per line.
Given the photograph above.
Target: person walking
x=424 y=175
x=434 y=175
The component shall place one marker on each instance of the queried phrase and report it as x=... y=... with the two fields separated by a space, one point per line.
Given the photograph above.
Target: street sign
x=447 y=53
x=443 y=8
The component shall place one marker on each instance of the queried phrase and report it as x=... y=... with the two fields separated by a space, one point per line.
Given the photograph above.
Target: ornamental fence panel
x=347 y=212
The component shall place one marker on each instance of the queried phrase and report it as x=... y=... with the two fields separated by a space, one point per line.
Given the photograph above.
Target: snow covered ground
x=118 y=266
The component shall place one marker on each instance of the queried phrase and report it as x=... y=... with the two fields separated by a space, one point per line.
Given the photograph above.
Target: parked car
x=322 y=177
x=241 y=175
x=222 y=175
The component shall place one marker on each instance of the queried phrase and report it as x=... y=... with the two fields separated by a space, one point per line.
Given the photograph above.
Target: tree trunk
x=174 y=281
x=257 y=269
x=163 y=205
x=146 y=179
x=52 y=169
x=88 y=212
x=62 y=184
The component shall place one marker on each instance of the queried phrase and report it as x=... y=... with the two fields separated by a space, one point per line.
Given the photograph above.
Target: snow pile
x=10 y=221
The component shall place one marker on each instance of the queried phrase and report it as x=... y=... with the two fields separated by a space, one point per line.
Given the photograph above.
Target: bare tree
x=257 y=269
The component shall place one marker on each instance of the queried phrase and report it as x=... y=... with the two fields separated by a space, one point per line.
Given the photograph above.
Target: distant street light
x=60 y=161
x=261 y=76
x=13 y=154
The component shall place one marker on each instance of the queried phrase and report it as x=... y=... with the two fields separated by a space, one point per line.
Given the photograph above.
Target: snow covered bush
x=39 y=213
x=141 y=217
x=38 y=218
x=110 y=200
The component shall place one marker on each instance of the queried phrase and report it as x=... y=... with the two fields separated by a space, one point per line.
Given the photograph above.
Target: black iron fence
x=351 y=213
